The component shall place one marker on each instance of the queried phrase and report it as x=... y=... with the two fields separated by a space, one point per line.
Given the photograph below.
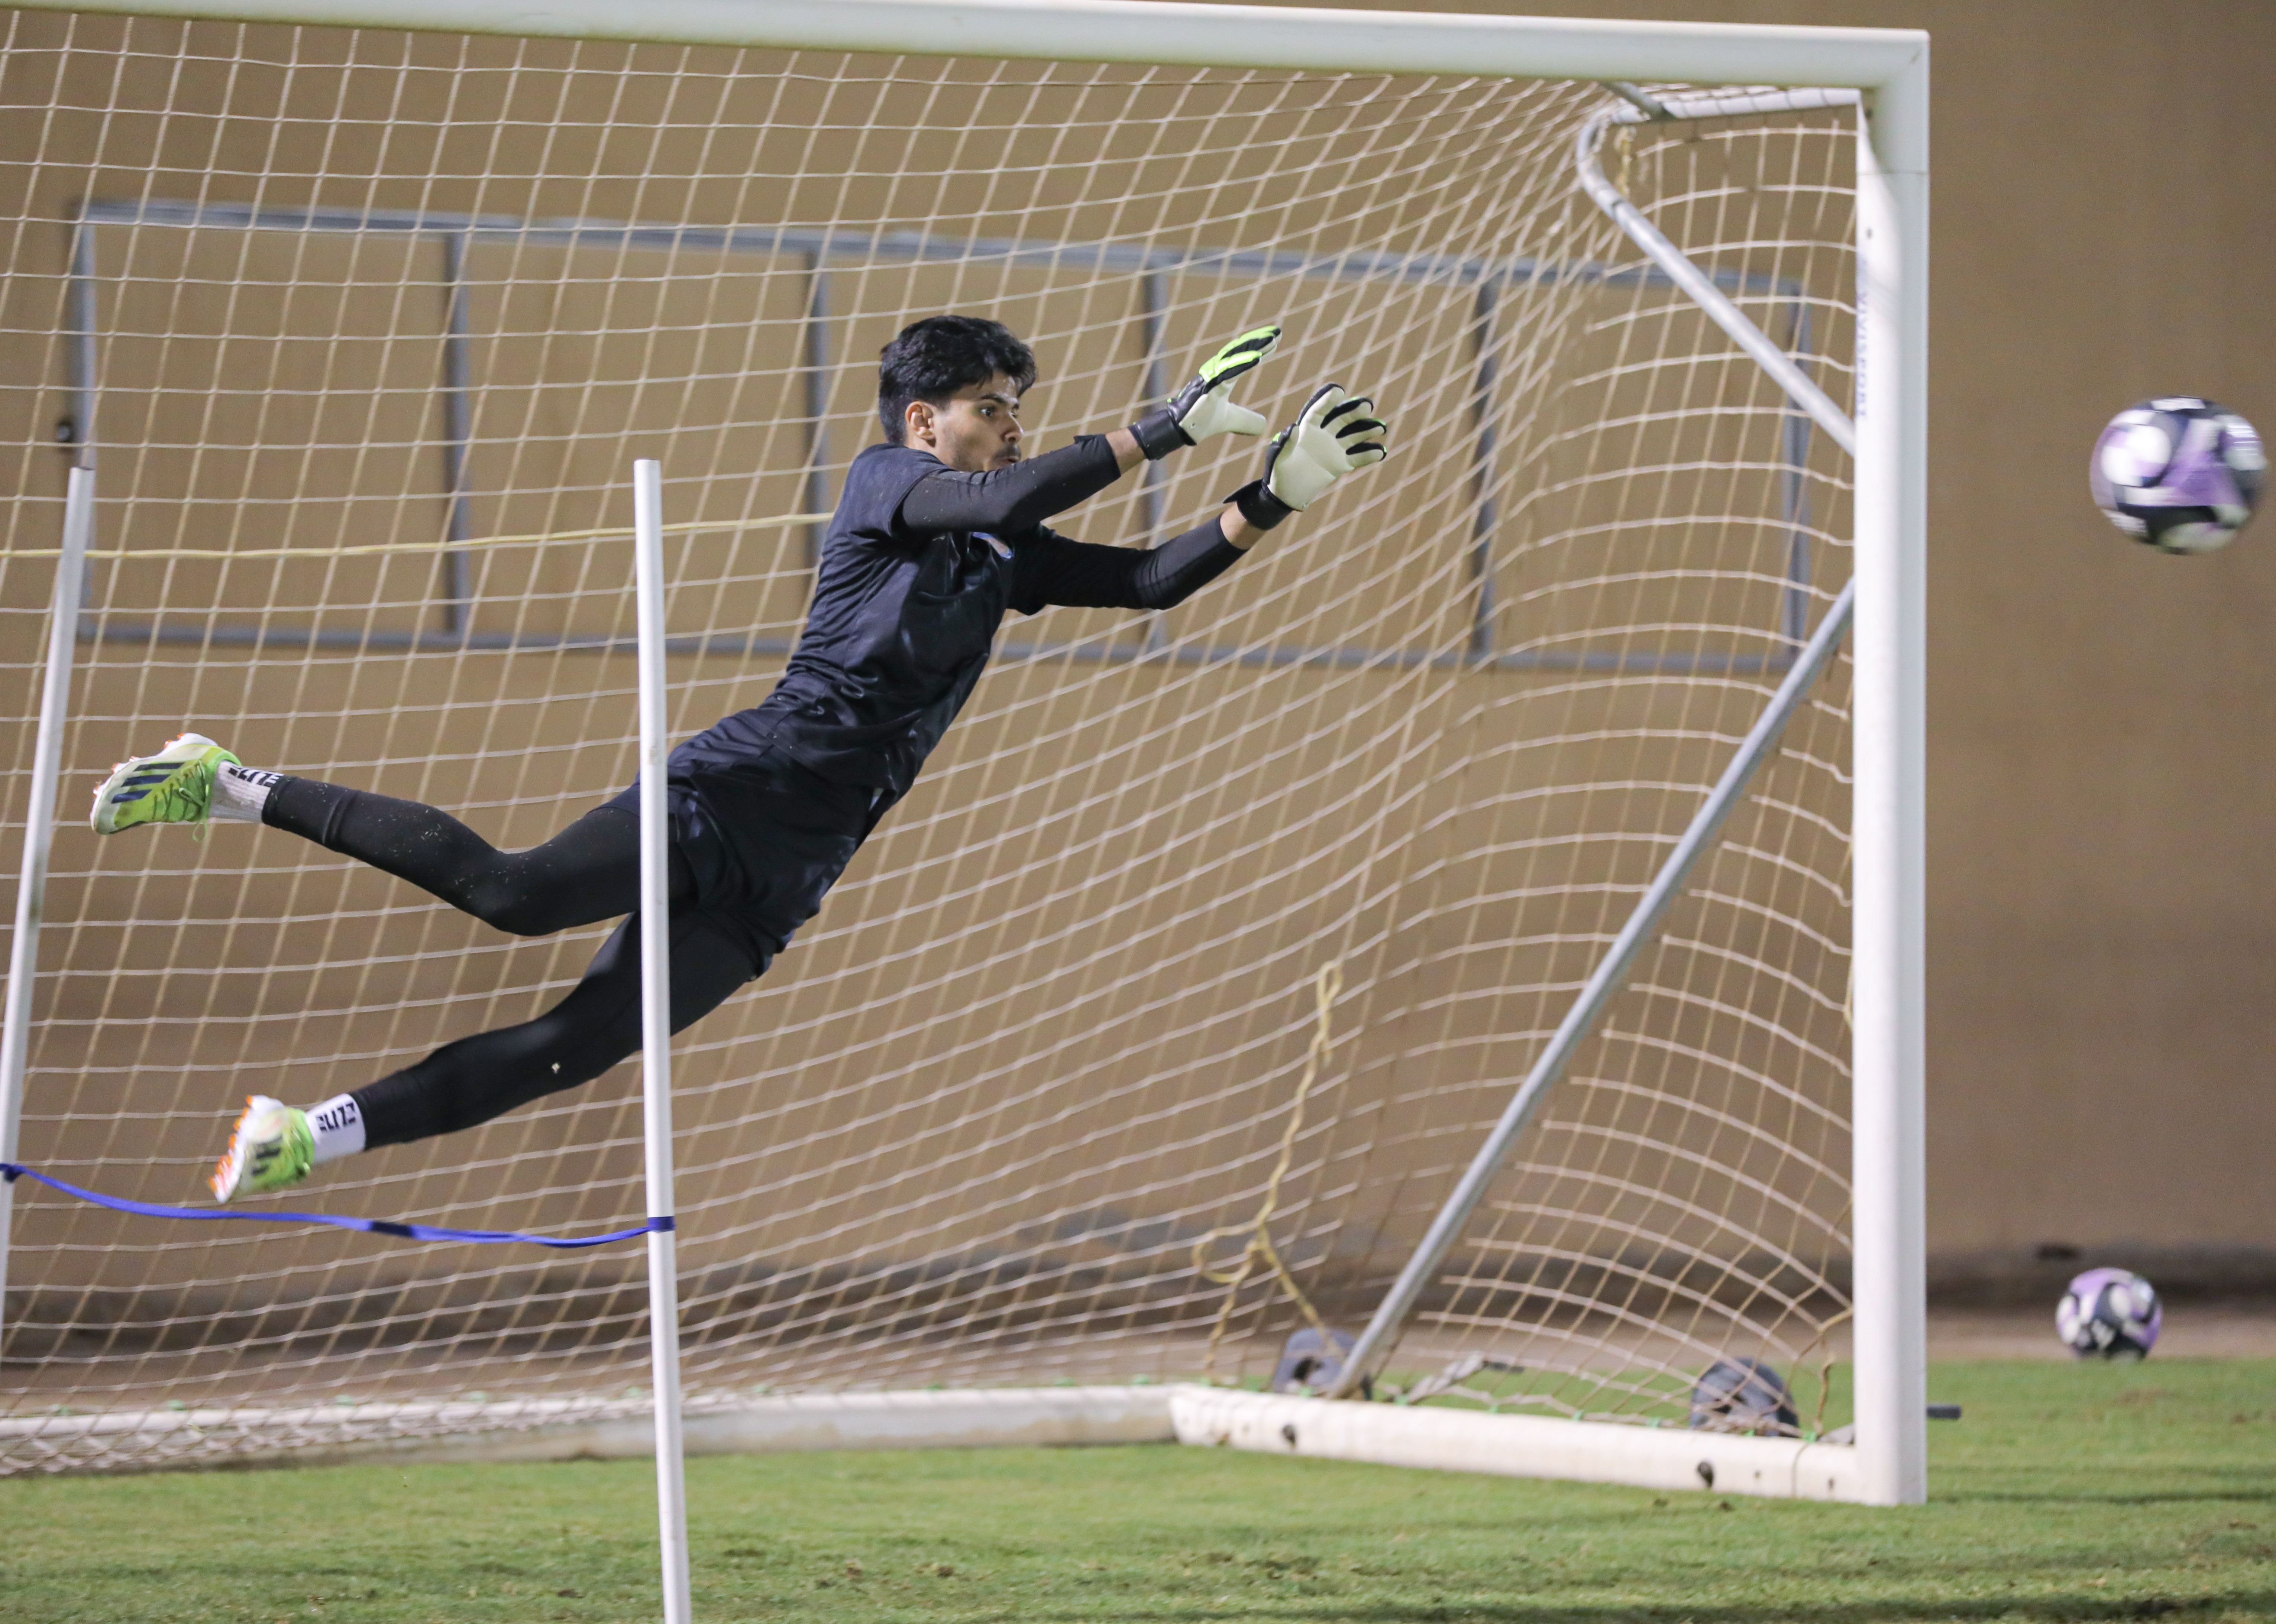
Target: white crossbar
x=1157 y=31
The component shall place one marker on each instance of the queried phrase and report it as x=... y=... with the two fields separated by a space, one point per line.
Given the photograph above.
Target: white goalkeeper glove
x=1334 y=435
x=1204 y=406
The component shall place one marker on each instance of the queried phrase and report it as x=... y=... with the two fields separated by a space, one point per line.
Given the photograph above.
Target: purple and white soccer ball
x=2180 y=473
x=2109 y=1314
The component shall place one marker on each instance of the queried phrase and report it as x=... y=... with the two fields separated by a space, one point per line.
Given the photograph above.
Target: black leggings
x=587 y=872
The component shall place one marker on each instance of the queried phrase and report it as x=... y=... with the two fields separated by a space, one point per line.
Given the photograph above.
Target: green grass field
x=2067 y=1492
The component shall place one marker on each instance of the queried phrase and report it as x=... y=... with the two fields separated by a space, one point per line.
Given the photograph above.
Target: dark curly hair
x=929 y=360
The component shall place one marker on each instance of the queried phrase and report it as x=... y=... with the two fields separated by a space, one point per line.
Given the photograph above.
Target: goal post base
x=1469 y=1441
x=973 y=1418
x=539 y=1429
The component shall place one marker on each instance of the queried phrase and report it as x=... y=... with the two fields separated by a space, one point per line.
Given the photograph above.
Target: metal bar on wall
x=1152 y=313
x=814 y=379
x=1488 y=513
x=79 y=354
x=1044 y=254
x=1152 y=268
x=1348 y=657
x=1794 y=441
x=457 y=429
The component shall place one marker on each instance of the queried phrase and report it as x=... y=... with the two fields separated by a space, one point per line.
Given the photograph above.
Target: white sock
x=337 y=1125
x=240 y=792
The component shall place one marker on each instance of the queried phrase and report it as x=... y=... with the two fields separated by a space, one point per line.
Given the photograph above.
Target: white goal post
x=1884 y=715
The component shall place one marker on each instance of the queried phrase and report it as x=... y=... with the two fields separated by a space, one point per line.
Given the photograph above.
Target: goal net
x=1159 y=1020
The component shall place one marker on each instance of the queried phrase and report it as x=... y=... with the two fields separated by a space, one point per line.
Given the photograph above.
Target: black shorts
x=764 y=839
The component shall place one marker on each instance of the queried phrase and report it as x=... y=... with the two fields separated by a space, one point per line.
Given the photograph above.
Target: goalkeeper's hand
x=1204 y=405
x=1334 y=435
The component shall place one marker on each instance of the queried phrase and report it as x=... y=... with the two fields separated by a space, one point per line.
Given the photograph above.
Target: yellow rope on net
x=1233 y=1275
x=607 y=533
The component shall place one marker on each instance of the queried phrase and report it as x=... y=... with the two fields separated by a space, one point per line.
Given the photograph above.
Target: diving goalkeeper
x=940 y=528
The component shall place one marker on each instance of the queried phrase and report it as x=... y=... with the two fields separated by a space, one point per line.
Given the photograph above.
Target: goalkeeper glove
x=1335 y=435
x=1203 y=406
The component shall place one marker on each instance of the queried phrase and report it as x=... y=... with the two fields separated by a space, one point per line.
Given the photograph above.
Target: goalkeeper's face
x=974 y=430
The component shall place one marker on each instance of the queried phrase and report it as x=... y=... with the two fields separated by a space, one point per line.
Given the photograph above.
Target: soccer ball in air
x=2180 y=473
x=2109 y=1314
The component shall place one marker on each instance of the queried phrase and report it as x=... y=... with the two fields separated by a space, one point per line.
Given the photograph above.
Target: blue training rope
x=12 y=1171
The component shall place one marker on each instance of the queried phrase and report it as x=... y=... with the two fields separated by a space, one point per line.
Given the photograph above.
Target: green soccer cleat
x=174 y=786
x=272 y=1149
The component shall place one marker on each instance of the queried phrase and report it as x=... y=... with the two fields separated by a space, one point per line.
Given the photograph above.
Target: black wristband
x=1157 y=433
x=1260 y=507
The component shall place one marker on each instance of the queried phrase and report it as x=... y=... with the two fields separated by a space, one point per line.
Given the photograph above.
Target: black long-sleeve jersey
x=918 y=566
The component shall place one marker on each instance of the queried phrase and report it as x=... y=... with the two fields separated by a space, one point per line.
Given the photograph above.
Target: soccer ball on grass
x=2109 y=1314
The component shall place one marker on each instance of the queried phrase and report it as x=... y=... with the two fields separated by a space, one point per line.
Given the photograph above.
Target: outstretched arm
x=1022 y=496
x=1334 y=435
x=1083 y=576
x=1009 y=500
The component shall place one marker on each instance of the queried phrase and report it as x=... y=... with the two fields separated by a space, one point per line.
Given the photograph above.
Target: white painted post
x=1887 y=1117
x=39 y=833
x=656 y=1033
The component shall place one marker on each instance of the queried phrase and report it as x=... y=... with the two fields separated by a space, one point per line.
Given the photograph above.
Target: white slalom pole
x=656 y=1034
x=39 y=833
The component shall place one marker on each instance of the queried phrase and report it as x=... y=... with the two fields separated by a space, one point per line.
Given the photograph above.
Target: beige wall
x=2102 y=903
x=2099 y=999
